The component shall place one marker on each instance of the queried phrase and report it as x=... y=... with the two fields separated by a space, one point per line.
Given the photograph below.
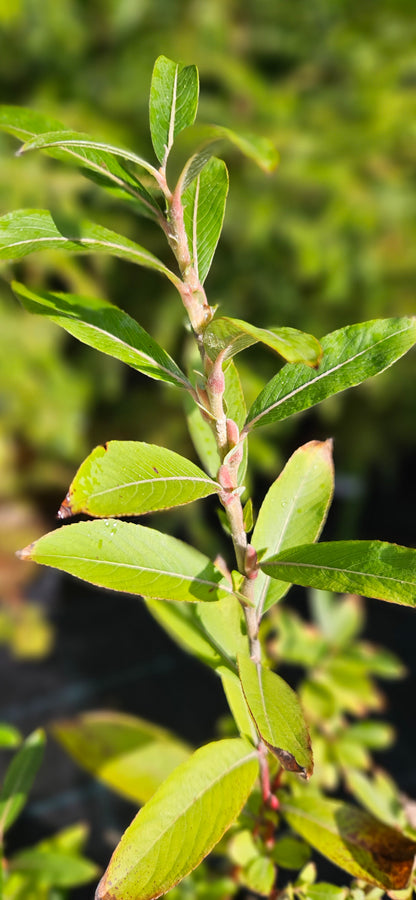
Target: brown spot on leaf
x=155 y=470
x=26 y=553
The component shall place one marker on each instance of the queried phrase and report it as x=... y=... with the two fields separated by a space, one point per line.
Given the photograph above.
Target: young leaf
x=56 y=868
x=9 y=736
x=350 y=356
x=294 y=509
x=18 y=779
x=173 y=103
x=182 y=822
x=127 y=557
x=234 y=335
x=28 y=230
x=204 y=207
x=97 y=161
x=105 y=327
x=372 y=568
x=129 y=478
x=277 y=715
x=257 y=148
x=212 y=639
x=130 y=755
x=352 y=839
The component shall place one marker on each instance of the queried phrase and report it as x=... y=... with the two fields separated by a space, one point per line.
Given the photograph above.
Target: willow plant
x=213 y=607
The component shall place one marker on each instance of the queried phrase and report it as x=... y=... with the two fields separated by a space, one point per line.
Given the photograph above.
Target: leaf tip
x=65 y=510
x=288 y=761
x=26 y=553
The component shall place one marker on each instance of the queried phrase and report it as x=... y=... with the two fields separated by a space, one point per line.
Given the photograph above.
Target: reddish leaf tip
x=65 y=510
x=26 y=553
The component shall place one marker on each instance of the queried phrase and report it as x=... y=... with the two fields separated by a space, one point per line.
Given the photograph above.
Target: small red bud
x=233 y=434
x=225 y=479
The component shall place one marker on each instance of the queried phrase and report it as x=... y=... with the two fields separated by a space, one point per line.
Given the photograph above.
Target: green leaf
x=204 y=207
x=54 y=867
x=230 y=336
x=257 y=148
x=127 y=557
x=373 y=734
x=237 y=703
x=290 y=853
x=173 y=103
x=294 y=509
x=105 y=327
x=28 y=230
x=19 y=778
x=372 y=568
x=277 y=715
x=352 y=839
x=351 y=355
x=259 y=876
x=379 y=795
x=129 y=478
x=212 y=638
x=98 y=161
x=130 y=755
x=9 y=736
x=182 y=822
x=324 y=891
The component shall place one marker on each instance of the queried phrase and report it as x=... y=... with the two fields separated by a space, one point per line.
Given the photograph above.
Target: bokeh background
x=328 y=240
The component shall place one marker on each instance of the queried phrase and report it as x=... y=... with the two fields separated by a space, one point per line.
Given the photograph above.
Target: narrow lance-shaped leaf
x=352 y=839
x=230 y=336
x=129 y=478
x=97 y=160
x=372 y=568
x=204 y=206
x=19 y=778
x=182 y=822
x=28 y=230
x=294 y=509
x=128 y=754
x=127 y=557
x=277 y=715
x=105 y=327
x=173 y=103
x=209 y=138
x=350 y=356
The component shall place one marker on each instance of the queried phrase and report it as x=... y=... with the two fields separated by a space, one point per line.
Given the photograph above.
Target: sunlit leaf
x=130 y=755
x=277 y=714
x=129 y=478
x=230 y=336
x=237 y=702
x=182 y=822
x=105 y=327
x=19 y=778
x=371 y=568
x=97 y=161
x=294 y=509
x=210 y=636
x=352 y=839
x=173 y=103
x=379 y=795
x=350 y=356
x=204 y=207
x=209 y=139
x=28 y=230
x=127 y=557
